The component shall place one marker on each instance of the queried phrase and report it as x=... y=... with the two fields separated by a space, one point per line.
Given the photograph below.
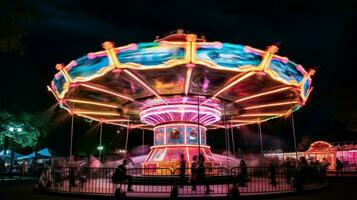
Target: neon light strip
x=152 y=118
x=54 y=94
x=243 y=121
x=262 y=94
x=272 y=105
x=111 y=54
x=157 y=113
x=180 y=124
x=188 y=79
x=162 y=119
x=204 y=152
x=202 y=119
x=164 y=154
x=188 y=155
x=261 y=114
x=185 y=134
x=165 y=136
x=88 y=117
x=117 y=120
x=91 y=103
x=179 y=145
x=168 y=109
x=145 y=85
x=66 y=76
x=233 y=83
x=190 y=108
x=150 y=155
x=172 y=118
x=193 y=117
x=96 y=113
x=107 y=91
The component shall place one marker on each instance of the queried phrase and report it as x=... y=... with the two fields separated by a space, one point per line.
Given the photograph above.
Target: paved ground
x=339 y=188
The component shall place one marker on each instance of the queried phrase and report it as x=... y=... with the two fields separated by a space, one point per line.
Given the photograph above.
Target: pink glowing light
x=181 y=112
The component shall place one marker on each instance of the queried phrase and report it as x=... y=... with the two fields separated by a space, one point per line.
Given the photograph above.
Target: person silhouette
x=120 y=174
x=194 y=166
x=182 y=169
x=201 y=172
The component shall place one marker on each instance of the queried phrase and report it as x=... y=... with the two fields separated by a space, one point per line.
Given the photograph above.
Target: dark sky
x=317 y=34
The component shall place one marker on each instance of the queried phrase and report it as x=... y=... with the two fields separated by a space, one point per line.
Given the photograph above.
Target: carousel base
x=168 y=157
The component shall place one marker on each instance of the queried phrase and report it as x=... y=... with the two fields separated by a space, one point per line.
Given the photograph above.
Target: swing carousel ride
x=180 y=86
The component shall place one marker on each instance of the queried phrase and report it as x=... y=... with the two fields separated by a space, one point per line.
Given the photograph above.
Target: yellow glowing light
x=262 y=94
x=54 y=94
x=106 y=91
x=244 y=121
x=262 y=114
x=233 y=83
x=188 y=79
x=117 y=120
x=271 y=105
x=109 y=49
x=92 y=103
x=87 y=112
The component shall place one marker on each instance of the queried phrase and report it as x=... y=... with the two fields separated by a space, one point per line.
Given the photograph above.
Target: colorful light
x=271 y=105
x=106 y=91
x=262 y=94
x=95 y=113
x=182 y=109
x=239 y=79
x=91 y=103
x=262 y=114
x=187 y=59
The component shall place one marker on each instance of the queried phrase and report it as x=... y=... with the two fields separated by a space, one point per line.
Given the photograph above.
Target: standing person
x=2 y=168
x=120 y=174
x=289 y=170
x=272 y=172
x=304 y=167
x=23 y=168
x=182 y=169
x=324 y=166
x=72 y=177
x=243 y=175
x=194 y=166
x=201 y=172
x=339 y=167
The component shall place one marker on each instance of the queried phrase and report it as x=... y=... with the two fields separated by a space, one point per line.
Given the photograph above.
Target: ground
x=338 y=188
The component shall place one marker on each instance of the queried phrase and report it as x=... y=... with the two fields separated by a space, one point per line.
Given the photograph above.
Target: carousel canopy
x=140 y=84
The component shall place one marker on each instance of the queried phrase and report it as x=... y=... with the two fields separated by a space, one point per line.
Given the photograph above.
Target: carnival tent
x=7 y=154
x=43 y=153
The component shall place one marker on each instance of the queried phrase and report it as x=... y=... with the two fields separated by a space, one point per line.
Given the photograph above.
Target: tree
x=24 y=129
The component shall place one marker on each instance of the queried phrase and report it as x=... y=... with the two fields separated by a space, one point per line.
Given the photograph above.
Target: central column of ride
x=177 y=132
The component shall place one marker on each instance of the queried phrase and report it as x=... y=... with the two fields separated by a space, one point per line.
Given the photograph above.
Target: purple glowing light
x=182 y=112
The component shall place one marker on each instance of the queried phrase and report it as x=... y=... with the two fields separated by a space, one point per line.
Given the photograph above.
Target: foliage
x=32 y=128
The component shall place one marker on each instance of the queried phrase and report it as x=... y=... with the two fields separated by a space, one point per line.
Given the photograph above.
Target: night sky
x=317 y=34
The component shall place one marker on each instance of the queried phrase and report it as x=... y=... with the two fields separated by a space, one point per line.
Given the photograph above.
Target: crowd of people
x=193 y=173
x=19 y=169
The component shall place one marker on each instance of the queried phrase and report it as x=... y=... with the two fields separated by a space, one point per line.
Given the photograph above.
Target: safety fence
x=187 y=181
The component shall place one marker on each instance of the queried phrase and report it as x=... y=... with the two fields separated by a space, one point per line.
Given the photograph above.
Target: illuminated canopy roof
x=115 y=85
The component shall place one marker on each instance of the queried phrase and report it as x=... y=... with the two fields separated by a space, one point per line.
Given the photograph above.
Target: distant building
x=347 y=153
